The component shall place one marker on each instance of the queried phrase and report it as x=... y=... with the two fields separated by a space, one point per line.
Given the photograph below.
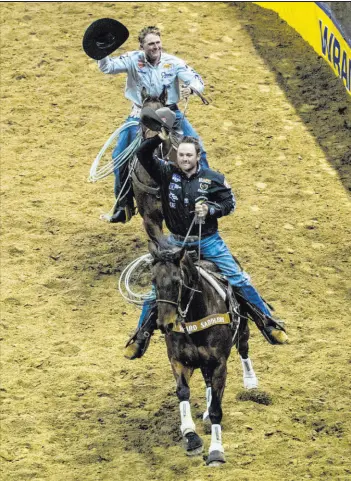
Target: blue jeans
x=214 y=249
x=128 y=135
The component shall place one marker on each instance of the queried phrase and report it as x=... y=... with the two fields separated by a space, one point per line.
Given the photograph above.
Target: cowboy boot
x=140 y=340
x=124 y=209
x=123 y=212
x=274 y=331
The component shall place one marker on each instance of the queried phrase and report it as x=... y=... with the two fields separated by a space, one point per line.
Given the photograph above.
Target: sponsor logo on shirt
x=176 y=178
x=199 y=78
x=174 y=186
x=166 y=75
x=212 y=210
x=167 y=65
x=206 y=181
x=173 y=196
x=172 y=204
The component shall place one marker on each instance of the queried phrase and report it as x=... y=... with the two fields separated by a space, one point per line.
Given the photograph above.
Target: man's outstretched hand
x=201 y=209
x=163 y=134
x=185 y=92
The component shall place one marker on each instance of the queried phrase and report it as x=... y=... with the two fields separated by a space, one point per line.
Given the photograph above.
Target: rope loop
x=98 y=173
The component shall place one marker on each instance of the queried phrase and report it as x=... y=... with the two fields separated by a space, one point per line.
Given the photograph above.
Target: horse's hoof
x=193 y=444
x=250 y=382
x=215 y=458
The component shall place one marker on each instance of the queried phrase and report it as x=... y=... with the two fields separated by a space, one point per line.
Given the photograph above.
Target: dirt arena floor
x=279 y=127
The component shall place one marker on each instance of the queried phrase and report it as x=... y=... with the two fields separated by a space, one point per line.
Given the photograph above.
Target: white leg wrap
x=249 y=376
x=188 y=425
x=208 y=403
x=216 y=439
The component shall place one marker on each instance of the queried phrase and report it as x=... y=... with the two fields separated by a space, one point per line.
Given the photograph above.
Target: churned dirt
x=279 y=127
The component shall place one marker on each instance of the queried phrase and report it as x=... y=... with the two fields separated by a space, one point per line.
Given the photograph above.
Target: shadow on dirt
x=318 y=96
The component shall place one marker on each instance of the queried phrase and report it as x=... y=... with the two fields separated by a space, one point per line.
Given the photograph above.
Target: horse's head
x=168 y=276
x=154 y=103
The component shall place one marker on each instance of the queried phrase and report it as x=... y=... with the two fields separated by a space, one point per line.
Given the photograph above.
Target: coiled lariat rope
x=141 y=262
x=125 y=280
x=98 y=173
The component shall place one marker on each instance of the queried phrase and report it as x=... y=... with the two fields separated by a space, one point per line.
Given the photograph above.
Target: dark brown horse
x=183 y=295
x=146 y=191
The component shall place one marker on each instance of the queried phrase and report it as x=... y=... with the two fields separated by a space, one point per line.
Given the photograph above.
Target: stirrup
x=274 y=331
x=137 y=344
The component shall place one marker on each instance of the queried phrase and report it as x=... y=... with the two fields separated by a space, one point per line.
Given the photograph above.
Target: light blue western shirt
x=140 y=73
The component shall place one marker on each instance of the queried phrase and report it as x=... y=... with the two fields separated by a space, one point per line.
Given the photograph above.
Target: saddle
x=239 y=307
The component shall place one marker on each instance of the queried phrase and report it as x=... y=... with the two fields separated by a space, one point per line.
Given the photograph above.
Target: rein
x=182 y=313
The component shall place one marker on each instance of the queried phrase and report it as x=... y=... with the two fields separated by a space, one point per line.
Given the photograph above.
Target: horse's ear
x=144 y=94
x=153 y=249
x=163 y=96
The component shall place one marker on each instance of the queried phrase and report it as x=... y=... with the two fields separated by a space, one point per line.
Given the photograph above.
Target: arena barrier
x=317 y=24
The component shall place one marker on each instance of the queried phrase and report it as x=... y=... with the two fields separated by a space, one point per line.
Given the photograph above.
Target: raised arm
x=115 y=65
x=189 y=76
x=151 y=163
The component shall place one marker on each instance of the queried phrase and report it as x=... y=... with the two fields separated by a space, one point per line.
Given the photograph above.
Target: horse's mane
x=174 y=255
x=167 y=255
x=151 y=98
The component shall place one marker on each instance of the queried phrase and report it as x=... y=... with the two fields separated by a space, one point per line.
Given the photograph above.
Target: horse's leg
x=216 y=450
x=182 y=374
x=249 y=376
x=207 y=375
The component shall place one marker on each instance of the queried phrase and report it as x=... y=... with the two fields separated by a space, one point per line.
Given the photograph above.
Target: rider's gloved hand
x=201 y=209
x=185 y=91
x=163 y=134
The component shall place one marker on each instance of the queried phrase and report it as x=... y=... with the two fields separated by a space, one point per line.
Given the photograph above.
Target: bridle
x=181 y=313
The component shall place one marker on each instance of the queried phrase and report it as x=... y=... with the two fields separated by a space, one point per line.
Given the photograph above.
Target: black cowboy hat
x=103 y=37
x=154 y=120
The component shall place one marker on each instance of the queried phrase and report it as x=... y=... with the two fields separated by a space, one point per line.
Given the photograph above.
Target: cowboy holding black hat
x=148 y=68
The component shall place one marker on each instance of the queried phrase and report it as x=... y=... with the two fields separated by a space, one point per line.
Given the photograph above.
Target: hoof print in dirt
x=193 y=444
x=259 y=397
x=215 y=458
